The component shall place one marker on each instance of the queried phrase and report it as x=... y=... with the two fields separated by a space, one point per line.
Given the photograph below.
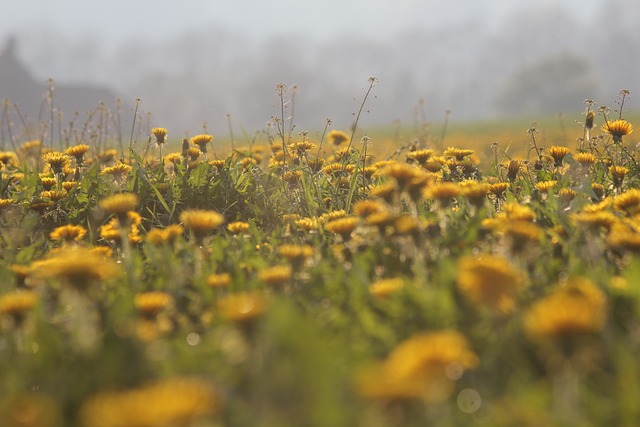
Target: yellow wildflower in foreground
x=57 y=161
x=579 y=307
x=238 y=227
x=78 y=151
x=629 y=201
x=169 y=234
x=120 y=205
x=150 y=303
x=424 y=366
x=617 y=129
x=17 y=303
x=79 y=267
x=385 y=287
x=558 y=154
x=201 y=141
x=118 y=172
x=490 y=281
x=221 y=280
x=296 y=253
x=458 y=153
x=337 y=137
x=5 y=203
x=343 y=226
x=277 y=275
x=242 y=307
x=160 y=134
x=171 y=402
x=201 y=222
x=68 y=233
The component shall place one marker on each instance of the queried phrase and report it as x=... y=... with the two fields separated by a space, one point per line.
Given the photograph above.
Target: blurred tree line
x=540 y=61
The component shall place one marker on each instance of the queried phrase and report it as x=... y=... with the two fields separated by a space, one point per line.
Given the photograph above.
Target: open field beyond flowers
x=412 y=277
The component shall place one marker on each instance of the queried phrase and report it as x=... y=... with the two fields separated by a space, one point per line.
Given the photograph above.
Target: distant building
x=18 y=85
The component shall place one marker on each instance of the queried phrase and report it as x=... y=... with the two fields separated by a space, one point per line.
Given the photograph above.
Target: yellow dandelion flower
x=5 y=203
x=107 y=156
x=499 y=189
x=111 y=230
x=407 y=225
x=443 y=192
x=217 y=164
x=57 y=161
x=54 y=195
x=169 y=402
x=598 y=190
x=558 y=154
x=151 y=303
x=193 y=153
x=343 y=226
x=17 y=303
x=242 y=307
x=617 y=129
x=48 y=182
x=585 y=159
x=21 y=272
x=364 y=208
x=546 y=186
x=174 y=158
x=102 y=251
x=475 y=192
x=277 y=275
x=337 y=169
x=238 y=227
x=622 y=237
x=457 y=153
x=618 y=173
x=594 y=220
x=337 y=137
x=420 y=156
x=221 y=280
x=78 y=151
x=119 y=172
x=160 y=135
x=577 y=308
x=289 y=218
x=342 y=153
x=513 y=168
x=518 y=212
x=8 y=158
x=120 y=205
x=629 y=201
x=567 y=194
x=401 y=173
x=521 y=233
x=201 y=222
x=330 y=216
x=68 y=233
x=490 y=281
x=79 y=267
x=69 y=185
x=247 y=162
x=301 y=147
x=295 y=253
x=385 y=287
x=419 y=367
x=307 y=224
x=201 y=142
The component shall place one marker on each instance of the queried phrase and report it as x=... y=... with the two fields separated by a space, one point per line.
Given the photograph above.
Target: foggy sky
x=203 y=60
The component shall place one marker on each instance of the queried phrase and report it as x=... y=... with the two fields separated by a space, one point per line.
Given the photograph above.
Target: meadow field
x=420 y=275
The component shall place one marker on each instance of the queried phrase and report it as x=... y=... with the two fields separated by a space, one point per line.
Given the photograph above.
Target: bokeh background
x=195 y=62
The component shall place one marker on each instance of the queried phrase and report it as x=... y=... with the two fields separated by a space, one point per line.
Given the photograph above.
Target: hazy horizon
x=198 y=61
